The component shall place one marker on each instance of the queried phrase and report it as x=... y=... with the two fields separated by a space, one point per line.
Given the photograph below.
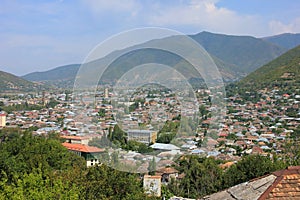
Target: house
x=89 y=153
x=143 y=136
x=167 y=173
x=2 y=119
x=76 y=139
x=152 y=185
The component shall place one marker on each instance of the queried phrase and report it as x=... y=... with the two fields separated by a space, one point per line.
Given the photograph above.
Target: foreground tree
x=202 y=176
x=251 y=167
x=102 y=182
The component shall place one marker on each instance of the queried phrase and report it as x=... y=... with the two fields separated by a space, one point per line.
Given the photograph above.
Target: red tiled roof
x=82 y=148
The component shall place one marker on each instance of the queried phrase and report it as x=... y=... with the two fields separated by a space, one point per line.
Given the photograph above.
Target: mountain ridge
x=10 y=82
x=282 y=70
x=235 y=56
x=286 y=40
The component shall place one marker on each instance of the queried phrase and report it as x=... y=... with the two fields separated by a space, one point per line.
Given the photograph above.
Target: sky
x=38 y=35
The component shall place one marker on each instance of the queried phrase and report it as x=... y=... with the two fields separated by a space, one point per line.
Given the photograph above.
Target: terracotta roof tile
x=280 y=185
x=82 y=148
x=167 y=170
x=286 y=185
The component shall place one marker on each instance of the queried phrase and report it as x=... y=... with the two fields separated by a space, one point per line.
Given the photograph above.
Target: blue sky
x=37 y=35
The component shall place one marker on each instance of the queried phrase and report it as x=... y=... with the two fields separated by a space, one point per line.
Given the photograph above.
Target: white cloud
x=278 y=27
x=205 y=14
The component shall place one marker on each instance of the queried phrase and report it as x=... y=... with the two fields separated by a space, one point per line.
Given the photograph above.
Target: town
x=251 y=126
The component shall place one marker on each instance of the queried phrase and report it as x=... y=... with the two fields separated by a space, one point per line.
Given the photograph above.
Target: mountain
x=235 y=56
x=286 y=40
x=245 y=52
x=283 y=71
x=59 y=76
x=10 y=82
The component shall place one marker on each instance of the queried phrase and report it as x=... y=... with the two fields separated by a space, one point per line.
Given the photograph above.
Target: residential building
x=143 y=136
x=152 y=185
x=2 y=119
x=89 y=153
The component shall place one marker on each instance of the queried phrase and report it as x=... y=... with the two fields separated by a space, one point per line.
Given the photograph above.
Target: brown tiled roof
x=280 y=185
x=286 y=185
x=167 y=170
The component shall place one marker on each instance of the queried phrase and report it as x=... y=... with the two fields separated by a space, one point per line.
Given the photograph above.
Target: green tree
x=36 y=185
x=203 y=176
x=24 y=153
x=101 y=112
x=118 y=136
x=152 y=167
x=122 y=185
x=248 y=168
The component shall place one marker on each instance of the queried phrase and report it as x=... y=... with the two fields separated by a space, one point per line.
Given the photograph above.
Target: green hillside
x=284 y=70
x=286 y=40
x=246 y=52
x=10 y=82
x=62 y=77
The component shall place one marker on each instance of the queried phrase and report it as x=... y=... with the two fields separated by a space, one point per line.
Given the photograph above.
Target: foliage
x=170 y=126
x=152 y=167
x=166 y=137
x=101 y=112
x=52 y=103
x=39 y=167
x=36 y=186
x=136 y=104
x=21 y=107
x=117 y=136
x=292 y=148
x=202 y=176
x=24 y=153
x=100 y=142
x=121 y=185
x=250 y=167
x=137 y=146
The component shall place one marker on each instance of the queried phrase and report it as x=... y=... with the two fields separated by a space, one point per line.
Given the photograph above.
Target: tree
x=166 y=137
x=152 y=167
x=39 y=167
x=101 y=112
x=203 y=176
x=121 y=185
x=118 y=136
x=250 y=167
x=24 y=153
x=36 y=185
